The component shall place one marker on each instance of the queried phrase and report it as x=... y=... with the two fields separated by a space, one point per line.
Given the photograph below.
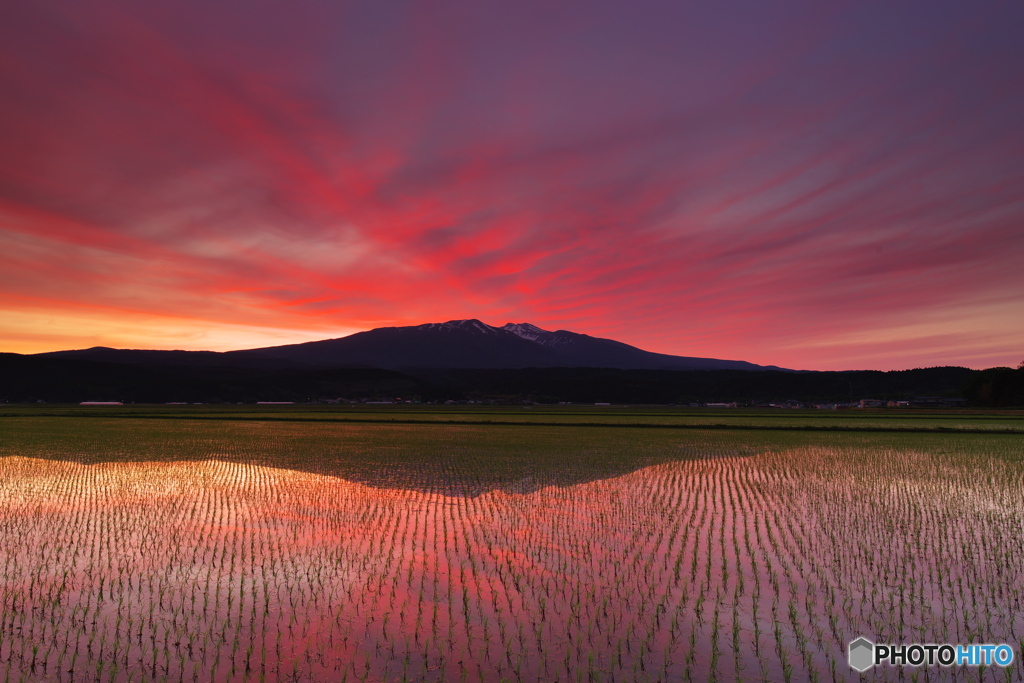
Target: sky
x=818 y=185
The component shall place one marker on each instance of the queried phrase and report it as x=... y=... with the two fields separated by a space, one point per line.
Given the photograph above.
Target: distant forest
x=996 y=387
x=31 y=379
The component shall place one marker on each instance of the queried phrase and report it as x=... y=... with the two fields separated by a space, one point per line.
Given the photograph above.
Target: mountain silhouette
x=474 y=344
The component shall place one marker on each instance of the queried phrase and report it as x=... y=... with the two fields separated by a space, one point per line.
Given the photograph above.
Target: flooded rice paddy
x=135 y=550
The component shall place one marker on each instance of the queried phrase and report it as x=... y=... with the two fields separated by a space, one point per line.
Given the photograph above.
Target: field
x=209 y=544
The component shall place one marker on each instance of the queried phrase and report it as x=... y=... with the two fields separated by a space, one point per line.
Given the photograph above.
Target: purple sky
x=814 y=185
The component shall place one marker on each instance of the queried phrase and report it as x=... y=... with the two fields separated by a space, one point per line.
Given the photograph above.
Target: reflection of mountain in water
x=465 y=479
x=518 y=472
x=445 y=459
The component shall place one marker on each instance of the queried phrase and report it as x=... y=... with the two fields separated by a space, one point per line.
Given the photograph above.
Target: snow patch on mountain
x=561 y=339
x=525 y=330
x=471 y=324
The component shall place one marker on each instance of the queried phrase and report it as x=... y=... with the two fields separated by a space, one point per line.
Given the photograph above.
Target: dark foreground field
x=205 y=544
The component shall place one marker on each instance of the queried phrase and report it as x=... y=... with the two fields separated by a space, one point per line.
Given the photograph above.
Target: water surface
x=147 y=550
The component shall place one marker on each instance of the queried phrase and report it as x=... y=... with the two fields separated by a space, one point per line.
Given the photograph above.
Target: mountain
x=453 y=344
x=474 y=344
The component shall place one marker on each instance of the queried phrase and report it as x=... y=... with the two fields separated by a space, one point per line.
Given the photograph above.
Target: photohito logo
x=864 y=654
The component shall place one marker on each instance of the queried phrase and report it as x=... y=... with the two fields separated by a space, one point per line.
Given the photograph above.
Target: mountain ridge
x=468 y=343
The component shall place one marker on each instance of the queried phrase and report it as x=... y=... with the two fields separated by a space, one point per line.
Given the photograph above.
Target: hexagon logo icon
x=862 y=654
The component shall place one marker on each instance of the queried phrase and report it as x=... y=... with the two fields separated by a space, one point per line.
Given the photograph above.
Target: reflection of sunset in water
x=730 y=567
